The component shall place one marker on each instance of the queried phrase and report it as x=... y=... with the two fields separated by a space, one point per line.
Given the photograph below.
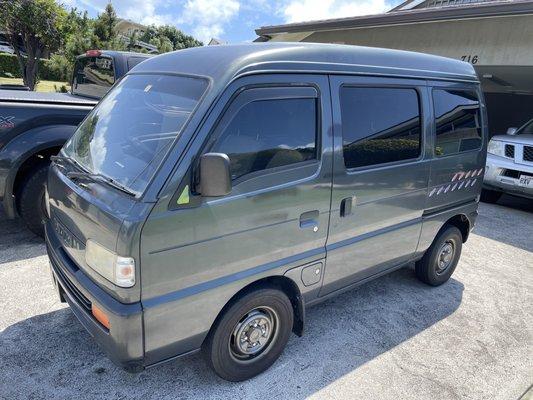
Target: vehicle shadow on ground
x=17 y=242
x=514 y=228
x=59 y=358
x=518 y=203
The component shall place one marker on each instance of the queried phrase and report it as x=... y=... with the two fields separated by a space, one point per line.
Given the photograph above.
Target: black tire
x=490 y=196
x=221 y=349
x=432 y=269
x=31 y=204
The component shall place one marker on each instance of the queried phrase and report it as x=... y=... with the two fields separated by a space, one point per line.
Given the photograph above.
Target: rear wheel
x=251 y=335
x=490 y=196
x=440 y=260
x=32 y=208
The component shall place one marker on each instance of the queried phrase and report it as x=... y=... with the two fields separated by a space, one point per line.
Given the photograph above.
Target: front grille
x=509 y=150
x=513 y=173
x=72 y=289
x=528 y=153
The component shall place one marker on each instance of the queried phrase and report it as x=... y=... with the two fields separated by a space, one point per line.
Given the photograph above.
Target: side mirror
x=512 y=131
x=215 y=175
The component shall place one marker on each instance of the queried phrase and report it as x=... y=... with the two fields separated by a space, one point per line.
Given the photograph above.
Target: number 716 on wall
x=473 y=59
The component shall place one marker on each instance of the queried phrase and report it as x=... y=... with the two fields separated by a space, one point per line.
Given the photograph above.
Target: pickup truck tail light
x=93 y=53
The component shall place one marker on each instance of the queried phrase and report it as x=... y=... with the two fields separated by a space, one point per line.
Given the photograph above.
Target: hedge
x=377 y=151
x=9 y=67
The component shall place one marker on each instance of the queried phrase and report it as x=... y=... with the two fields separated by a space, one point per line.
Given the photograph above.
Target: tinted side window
x=269 y=133
x=458 y=122
x=379 y=125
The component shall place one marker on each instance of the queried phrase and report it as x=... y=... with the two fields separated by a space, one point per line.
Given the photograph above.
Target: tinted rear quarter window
x=457 y=121
x=379 y=125
x=267 y=134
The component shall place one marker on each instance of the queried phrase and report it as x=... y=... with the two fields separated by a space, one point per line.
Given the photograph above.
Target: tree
x=163 y=44
x=168 y=38
x=132 y=40
x=78 y=35
x=105 y=33
x=178 y=38
x=104 y=26
x=38 y=24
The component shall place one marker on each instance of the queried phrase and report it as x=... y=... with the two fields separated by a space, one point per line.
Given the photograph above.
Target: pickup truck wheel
x=440 y=260
x=250 y=336
x=31 y=204
x=490 y=196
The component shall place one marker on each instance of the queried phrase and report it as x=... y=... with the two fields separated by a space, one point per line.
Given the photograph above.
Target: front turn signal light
x=100 y=316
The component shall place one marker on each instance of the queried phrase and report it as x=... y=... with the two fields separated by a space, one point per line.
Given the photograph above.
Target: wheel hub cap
x=445 y=256
x=252 y=334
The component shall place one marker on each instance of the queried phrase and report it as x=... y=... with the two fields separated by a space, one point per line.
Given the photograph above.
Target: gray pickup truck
x=509 y=164
x=34 y=127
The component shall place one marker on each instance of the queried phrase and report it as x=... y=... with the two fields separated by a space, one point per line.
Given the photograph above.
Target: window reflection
x=94 y=76
x=268 y=134
x=458 y=124
x=128 y=133
x=379 y=125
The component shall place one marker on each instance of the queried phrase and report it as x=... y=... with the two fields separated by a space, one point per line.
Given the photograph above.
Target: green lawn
x=42 y=86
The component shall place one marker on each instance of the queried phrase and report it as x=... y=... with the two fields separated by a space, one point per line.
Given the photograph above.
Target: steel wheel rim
x=253 y=336
x=445 y=256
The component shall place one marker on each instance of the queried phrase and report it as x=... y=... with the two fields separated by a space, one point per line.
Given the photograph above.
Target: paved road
x=393 y=338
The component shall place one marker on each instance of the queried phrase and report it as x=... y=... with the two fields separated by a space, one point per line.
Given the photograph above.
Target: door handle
x=309 y=219
x=347 y=204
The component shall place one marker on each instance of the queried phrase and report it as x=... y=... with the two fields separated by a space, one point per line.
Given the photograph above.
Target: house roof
x=466 y=11
x=408 y=4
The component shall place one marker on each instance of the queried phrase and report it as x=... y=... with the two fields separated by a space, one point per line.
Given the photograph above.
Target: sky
x=233 y=21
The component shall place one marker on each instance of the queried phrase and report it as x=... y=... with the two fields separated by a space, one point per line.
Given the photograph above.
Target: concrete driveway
x=394 y=338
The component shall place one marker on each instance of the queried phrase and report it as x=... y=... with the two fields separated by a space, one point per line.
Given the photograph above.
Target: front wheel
x=32 y=208
x=251 y=335
x=440 y=260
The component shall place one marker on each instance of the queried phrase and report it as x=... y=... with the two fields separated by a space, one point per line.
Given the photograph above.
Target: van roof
x=225 y=62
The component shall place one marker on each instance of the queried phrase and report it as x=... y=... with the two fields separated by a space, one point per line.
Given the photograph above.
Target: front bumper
x=502 y=174
x=123 y=342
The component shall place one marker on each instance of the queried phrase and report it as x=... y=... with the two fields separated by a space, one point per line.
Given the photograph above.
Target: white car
x=510 y=164
x=5 y=47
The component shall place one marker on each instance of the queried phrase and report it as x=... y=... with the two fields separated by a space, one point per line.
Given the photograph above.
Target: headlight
x=116 y=269
x=496 y=147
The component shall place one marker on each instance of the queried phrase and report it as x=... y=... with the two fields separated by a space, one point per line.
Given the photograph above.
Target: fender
x=20 y=149
x=433 y=221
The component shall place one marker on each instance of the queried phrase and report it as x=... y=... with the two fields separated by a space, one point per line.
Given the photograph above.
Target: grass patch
x=42 y=86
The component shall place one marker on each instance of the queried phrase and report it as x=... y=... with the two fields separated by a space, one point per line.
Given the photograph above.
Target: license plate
x=525 y=181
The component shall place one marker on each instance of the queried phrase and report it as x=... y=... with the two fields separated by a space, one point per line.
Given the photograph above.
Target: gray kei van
x=214 y=193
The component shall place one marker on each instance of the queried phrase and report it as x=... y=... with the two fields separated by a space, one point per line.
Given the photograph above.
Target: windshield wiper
x=61 y=158
x=101 y=178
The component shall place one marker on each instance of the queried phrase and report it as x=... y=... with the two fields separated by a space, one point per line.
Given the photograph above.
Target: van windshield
x=125 y=137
